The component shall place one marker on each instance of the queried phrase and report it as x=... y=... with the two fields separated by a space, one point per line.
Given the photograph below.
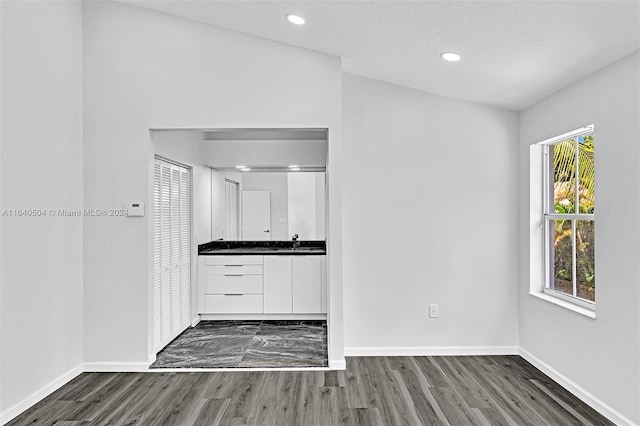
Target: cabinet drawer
x=233 y=260
x=233 y=270
x=221 y=284
x=225 y=304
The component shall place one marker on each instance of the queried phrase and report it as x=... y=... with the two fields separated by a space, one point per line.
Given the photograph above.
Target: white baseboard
x=115 y=367
x=195 y=320
x=18 y=408
x=577 y=390
x=338 y=364
x=262 y=317
x=432 y=351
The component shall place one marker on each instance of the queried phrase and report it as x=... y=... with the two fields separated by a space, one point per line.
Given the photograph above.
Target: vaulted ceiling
x=514 y=53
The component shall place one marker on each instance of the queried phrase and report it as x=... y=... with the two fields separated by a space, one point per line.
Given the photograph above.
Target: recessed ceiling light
x=450 y=56
x=240 y=167
x=245 y=169
x=295 y=19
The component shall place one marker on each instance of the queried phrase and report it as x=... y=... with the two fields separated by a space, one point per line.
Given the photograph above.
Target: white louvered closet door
x=165 y=252
x=157 y=255
x=176 y=287
x=185 y=249
x=172 y=252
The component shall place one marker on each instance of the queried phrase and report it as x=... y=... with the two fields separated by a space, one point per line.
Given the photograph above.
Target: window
x=568 y=213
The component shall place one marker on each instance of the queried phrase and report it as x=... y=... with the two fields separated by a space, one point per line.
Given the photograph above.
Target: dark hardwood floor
x=456 y=391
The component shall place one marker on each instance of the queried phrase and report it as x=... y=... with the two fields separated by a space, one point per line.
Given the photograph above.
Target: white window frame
x=548 y=214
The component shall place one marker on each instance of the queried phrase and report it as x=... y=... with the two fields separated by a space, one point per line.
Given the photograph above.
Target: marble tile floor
x=247 y=344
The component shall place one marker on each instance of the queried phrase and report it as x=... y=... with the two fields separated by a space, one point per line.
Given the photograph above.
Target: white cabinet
x=231 y=284
x=233 y=303
x=278 y=292
x=234 y=270
x=325 y=292
x=240 y=260
x=307 y=284
x=260 y=286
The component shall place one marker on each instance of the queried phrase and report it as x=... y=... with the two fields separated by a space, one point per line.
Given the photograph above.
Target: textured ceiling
x=514 y=52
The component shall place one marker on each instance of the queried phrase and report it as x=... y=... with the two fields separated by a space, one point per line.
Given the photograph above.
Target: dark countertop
x=220 y=247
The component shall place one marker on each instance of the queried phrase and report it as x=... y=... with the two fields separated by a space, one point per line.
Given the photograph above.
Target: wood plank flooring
x=456 y=391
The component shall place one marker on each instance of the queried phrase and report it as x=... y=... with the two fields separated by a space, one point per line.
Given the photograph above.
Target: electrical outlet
x=433 y=311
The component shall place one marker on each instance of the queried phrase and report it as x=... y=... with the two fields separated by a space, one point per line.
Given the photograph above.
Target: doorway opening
x=258 y=281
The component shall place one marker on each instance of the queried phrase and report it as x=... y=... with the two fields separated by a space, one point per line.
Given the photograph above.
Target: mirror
x=252 y=184
x=252 y=206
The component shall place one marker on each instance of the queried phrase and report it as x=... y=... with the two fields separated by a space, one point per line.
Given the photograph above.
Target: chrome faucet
x=296 y=243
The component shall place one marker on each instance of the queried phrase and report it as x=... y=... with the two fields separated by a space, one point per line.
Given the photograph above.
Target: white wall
x=178 y=145
x=602 y=355
x=276 y=184
x=145 y=70
x=229 y=153
x=186 y=148
x=429 y=199
x=41 y=261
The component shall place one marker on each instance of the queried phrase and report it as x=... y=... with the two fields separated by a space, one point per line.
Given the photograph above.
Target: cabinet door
x=325 y=292
x=277 y=285
x=307 y=284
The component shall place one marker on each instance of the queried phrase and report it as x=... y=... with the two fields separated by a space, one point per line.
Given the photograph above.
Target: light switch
x=135 y=209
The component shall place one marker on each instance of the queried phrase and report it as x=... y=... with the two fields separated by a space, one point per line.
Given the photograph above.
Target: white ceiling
x=514 y=52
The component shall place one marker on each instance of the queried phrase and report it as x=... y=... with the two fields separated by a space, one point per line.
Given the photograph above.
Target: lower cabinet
x=307 y=284
x=233 y=303
x=278 y=285
x=231 y=284
x=293 y=284
x=274 y=284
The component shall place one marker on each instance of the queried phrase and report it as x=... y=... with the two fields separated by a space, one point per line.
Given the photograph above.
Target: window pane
x=561 y=256
x=585 y=259
x=586 y=173
x=563 y=174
